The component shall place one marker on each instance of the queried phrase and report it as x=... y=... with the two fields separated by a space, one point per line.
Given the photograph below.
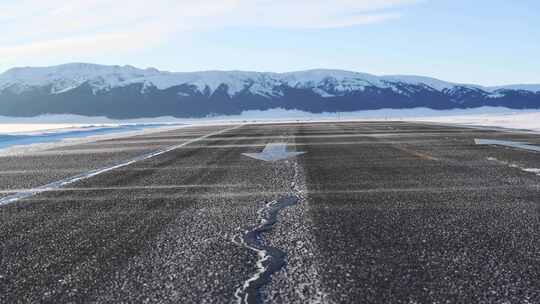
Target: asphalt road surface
x=372 y=212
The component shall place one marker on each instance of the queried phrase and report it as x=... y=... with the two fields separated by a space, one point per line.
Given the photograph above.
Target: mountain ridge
x=149 y=72
x=130 y=92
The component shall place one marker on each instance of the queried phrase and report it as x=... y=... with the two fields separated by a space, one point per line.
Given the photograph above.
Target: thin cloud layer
x=318 y=13
x=57 y=27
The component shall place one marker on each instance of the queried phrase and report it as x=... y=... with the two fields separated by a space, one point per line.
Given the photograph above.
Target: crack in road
x=270 y=259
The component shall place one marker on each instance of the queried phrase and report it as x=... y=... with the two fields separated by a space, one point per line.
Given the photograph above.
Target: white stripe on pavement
x=70 y=180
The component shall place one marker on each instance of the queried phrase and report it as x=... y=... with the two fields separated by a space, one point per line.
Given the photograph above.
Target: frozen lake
x=27 y=134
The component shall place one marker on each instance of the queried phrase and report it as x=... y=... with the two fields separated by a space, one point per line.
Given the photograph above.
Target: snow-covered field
x=25 y=128
x=485 y=116
x=16 y=124
x=523 y=121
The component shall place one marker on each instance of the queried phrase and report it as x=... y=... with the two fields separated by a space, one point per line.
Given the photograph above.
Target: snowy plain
x=519 y=121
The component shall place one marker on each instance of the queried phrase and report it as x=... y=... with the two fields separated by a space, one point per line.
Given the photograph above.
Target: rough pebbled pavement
x=391 y=212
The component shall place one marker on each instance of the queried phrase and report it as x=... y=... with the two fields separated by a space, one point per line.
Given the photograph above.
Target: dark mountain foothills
x=132 y=101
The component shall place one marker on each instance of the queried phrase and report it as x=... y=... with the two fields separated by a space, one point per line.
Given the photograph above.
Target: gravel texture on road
x=387 y=212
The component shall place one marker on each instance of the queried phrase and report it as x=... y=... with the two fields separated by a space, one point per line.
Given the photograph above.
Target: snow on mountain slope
x=326 y=83
x=436 y=84
x=236 y=81
x=64 y=77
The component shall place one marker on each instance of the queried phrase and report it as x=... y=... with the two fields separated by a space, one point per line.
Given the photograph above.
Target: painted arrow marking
x=273 y=152
x=507 y=143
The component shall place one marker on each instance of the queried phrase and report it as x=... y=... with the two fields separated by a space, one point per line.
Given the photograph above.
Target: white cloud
x=85 y=45
x=317 y=13
x=56 y=27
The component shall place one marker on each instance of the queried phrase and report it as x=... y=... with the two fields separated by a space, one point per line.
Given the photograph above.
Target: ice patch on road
x=52 y=136
x=28 y=148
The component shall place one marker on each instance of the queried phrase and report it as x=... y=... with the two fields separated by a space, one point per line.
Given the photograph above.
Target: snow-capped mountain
x=129 y=92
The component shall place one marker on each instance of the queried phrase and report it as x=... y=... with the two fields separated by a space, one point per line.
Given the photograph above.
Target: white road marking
x=273 y=152
x=329 y=135
x=247 y=194
x=70 y=180
x=329 y=143
x=513 y=165
x=507 y=143
x=129 y=188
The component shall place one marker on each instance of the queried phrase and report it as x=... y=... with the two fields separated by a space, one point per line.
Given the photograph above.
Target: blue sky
x=485 y=42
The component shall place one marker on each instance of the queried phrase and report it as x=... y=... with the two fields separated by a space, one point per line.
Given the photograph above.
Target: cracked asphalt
x=390 y=212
